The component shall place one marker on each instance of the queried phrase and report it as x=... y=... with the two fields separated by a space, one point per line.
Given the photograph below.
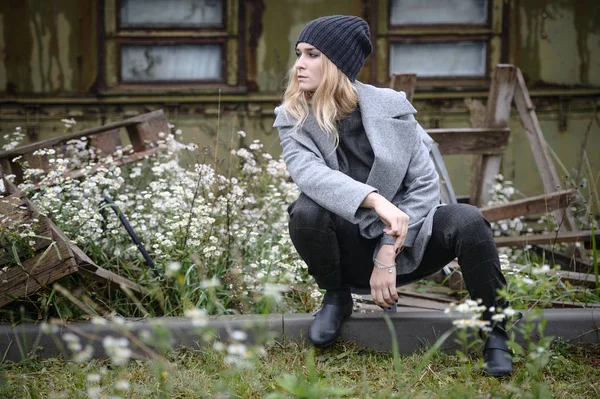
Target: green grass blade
x=595 y=255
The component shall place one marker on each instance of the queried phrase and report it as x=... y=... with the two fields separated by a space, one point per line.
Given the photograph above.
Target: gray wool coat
x=402 y=170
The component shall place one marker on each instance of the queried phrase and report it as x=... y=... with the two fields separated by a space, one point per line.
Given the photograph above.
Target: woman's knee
x=305 y=213
x=463 y=220
x=461 y=215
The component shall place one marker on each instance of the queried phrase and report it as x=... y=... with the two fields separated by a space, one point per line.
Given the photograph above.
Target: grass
x=573 y=372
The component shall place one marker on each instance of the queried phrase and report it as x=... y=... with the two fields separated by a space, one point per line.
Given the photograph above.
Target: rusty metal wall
x=49 y=70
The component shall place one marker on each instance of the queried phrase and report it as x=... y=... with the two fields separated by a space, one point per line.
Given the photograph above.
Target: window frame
x=389 y=34
x=229 y=36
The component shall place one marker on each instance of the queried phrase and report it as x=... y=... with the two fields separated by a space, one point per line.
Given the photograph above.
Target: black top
x=354 y=152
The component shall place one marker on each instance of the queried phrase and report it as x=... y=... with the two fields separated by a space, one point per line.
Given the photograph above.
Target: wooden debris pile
x=52 y=255
x=488 y=143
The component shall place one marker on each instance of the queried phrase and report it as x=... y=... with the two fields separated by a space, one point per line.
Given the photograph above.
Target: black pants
x=338 y=256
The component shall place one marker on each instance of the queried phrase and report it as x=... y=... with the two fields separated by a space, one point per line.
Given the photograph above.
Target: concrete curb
x=414 y=330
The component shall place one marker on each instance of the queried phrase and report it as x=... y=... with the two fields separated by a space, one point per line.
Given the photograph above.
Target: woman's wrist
x=372 y=200
x=386 y=254
x=390 y=267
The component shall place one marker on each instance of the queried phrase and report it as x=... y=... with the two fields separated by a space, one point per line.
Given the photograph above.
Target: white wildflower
x=237 y=349
x=498 y=317
x=509 y=312
x=470 y=323
x=117 y=349
x=271 y=290
x=48 y=328
x=145 y=335
x=238 y=335
x=213 y=282
x=70 y=337
x=122 y=385
x=94 y=391
x=541 y=270
x=527 y=281
x=198 y=317
x=83 y=355
x=173 y=269
x=99 y=321
x=504 y=262
x=218 y=346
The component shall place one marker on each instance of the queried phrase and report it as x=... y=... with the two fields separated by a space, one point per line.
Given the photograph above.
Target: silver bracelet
x=380 y=265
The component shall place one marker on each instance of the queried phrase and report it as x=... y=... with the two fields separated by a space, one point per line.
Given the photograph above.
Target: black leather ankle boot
x=337 y=306
x=496 y=353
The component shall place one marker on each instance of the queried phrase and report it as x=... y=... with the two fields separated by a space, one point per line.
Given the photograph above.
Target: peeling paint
x=559 y=57
x=3 y=74
x=593 y=42
x=560 y=42
x=39 y=56
x=63 y=37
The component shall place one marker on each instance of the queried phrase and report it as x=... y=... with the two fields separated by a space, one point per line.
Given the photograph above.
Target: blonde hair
x=333 y=100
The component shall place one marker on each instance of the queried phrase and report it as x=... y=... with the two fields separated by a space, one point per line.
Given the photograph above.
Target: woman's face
x=308 y=67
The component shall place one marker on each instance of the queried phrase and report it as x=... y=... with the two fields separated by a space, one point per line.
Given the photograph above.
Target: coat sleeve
x=331 y=189
x=420 y=190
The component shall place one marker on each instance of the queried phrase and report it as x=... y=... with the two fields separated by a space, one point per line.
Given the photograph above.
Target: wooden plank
x=521 y=241
x=43 y=240
x=407 y=301
x=36 y=162
x=37 y=272
x=5 y=166
x=98 y=273
x=528 y=206
x=443 y=298
x=471 y=140
x=425 y=286
x=78 y=257
x=539 y=148
x=88 y=268
x=12 y=208
x=87 y=132
x=107 y=142
x=569 y=305
x=568 y=262
x=486 y=167
x=406 y=82
x=75 y=174
x=576 y=278
x=148 y=131
x=414 y=302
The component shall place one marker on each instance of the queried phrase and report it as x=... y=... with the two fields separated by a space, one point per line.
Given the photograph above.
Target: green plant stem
x=595 y=255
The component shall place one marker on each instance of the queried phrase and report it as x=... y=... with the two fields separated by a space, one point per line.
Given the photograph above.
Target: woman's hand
x=383 y=283
x=395 y=220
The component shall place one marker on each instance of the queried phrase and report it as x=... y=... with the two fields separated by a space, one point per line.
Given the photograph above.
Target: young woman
x=369 y=214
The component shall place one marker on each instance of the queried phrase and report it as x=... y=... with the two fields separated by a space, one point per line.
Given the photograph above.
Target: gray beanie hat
x=344 y=39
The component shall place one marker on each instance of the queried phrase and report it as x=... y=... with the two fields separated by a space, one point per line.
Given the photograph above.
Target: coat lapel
x=389 y=136
x=311 y=131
